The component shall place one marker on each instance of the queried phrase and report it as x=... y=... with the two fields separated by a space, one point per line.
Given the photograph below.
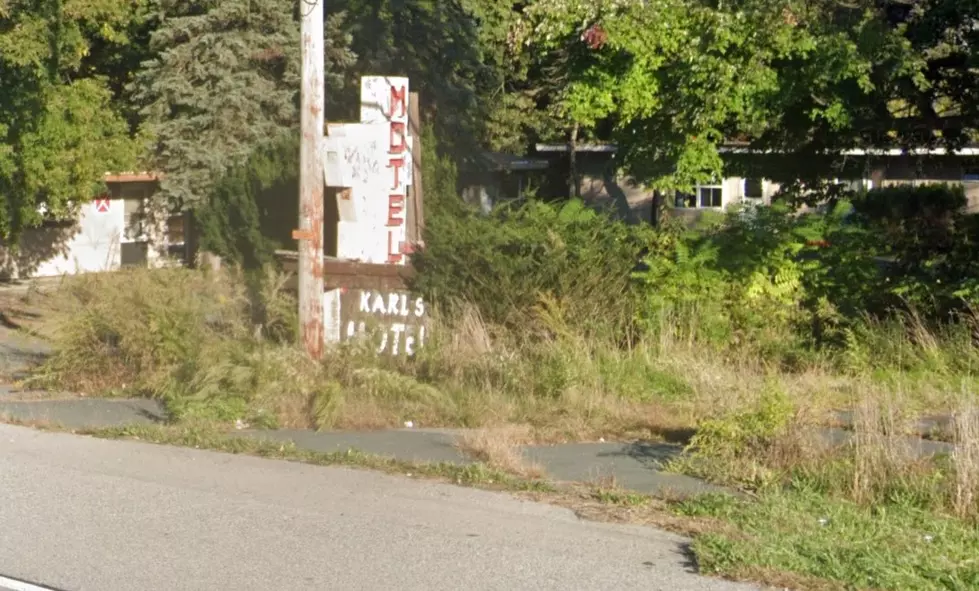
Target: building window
x=710 y=196
x=175 y=229
x=703 y=197
x=133 y=254
x=135 y=220
x=754 y=189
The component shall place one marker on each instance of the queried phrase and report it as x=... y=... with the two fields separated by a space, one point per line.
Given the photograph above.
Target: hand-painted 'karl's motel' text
x=396 y=320
x=370 y=161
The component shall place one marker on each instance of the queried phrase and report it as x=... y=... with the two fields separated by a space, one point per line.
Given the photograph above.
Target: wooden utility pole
x=416 y=214
x=311 y=181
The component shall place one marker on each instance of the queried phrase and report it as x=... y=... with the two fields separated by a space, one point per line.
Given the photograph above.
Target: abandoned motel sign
x=370 y=162
x=393 y=320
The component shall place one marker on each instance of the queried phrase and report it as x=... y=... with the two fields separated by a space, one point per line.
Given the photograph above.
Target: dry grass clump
x=501 y=449
x=878 y=461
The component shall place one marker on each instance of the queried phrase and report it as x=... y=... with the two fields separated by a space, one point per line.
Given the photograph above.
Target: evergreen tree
x=251 y=210
x=224 y=81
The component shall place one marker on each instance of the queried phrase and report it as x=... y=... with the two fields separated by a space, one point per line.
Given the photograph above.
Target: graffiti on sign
x=364 y=165
x=395 y=319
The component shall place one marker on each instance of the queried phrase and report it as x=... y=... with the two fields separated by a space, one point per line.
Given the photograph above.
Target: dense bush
x=506 y=262
x=763 y=280
x=252 y=208
x=767 y=283
x=930 y=243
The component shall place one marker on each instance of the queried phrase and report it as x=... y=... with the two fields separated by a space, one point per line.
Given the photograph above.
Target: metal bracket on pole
x=303 y=234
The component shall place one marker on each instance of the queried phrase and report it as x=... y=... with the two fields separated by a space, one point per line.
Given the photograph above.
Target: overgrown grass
x=221 y=347
x=878 y=463
x=215 y=347
x=501 y=449
x=836 y=544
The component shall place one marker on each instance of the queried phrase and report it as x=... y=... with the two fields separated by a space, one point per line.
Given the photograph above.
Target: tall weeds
x=543 y=318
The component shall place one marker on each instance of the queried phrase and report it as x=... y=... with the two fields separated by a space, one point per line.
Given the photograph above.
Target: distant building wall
x=905 y=171
x=90 y=244
x=599 y=186
x=114 y=230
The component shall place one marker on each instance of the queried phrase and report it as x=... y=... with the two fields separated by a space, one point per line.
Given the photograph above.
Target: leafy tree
x=478 y=87
x=674 y=79
x=510 y=96
x=875 y=74
x=931 y=244
x=669 y=76
x=120 y=62
x=881 y=73
x=60 y=130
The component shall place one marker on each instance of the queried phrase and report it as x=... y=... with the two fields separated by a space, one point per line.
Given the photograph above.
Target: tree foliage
x=223 y=80
x=60 y=129
x=210 y=83
x=246 y=210
x=675 y=79
x=450 y=50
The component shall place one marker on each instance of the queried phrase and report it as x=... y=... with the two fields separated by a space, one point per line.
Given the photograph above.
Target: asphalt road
x=80 y=514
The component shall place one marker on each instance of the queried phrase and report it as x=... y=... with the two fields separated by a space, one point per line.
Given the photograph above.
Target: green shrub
x=775 y=284
x=506 y=262
x=738 y=286
x=732 y=447
x=252 y=208
x=930 y=243
x=686 y=297
x=745 y=430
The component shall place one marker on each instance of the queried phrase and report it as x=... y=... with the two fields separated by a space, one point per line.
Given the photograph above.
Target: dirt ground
x=25 y=317
x=26 y=306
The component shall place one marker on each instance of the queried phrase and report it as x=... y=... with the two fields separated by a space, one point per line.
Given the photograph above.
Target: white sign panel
x=372 y=160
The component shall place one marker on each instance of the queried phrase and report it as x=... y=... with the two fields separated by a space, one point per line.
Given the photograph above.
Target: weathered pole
x=311 y=181
x=416 y=223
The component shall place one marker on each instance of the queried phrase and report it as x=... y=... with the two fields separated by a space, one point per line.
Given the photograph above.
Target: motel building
x=114 y=230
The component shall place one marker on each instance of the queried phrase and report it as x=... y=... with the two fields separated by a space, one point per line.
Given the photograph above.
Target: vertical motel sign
x=370 y=161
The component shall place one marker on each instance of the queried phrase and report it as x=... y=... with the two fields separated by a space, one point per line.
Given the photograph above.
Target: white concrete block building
x=111 y=231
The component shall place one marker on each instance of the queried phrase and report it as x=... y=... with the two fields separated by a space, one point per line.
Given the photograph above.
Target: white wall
x=92 y=244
